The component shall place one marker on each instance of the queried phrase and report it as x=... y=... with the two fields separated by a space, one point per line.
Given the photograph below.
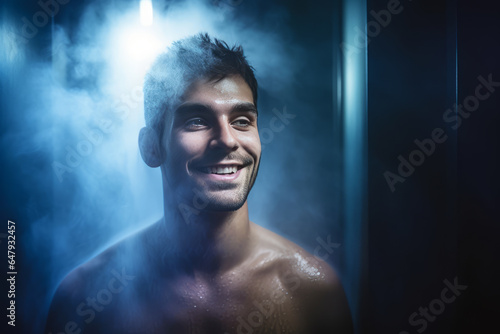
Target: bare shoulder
x=288 y=255
x=71 y=292
x=76 y=299
x=318 y=288
x=92 y=271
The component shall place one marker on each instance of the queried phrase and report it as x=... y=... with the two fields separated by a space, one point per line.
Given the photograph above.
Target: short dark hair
x=186 y=60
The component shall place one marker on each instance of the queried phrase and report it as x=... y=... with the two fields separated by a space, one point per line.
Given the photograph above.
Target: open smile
x=220 y=169
x=221 y=172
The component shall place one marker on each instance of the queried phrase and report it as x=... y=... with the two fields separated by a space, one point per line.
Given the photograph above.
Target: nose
x=224 y=137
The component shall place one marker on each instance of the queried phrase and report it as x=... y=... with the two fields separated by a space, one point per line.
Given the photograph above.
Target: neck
x=206 y=241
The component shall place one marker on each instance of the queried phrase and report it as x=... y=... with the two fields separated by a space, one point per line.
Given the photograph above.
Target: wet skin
x=204 y=268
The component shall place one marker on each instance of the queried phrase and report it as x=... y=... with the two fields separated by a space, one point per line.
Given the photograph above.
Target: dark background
x=441 y=223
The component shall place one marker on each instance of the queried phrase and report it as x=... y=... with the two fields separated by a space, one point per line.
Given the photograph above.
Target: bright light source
x=146 y=8
x=140 y=46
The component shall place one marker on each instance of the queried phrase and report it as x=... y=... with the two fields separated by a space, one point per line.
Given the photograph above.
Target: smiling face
x=213 y=145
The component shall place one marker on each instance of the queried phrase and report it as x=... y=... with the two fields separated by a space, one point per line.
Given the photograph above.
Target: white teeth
x=220 y=170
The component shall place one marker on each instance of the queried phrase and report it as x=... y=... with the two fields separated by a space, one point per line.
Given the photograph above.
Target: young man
x=203 y=268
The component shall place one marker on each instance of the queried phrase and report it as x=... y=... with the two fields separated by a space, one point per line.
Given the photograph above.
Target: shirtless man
x=204 y=267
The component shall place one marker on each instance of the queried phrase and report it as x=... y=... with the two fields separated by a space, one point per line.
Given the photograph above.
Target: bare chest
x=226 y=306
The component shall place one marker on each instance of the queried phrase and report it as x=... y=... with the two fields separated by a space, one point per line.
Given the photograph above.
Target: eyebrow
x=239 y=107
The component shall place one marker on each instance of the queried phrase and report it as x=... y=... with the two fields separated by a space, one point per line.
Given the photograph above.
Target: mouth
x=221 y=172
x=221 y=169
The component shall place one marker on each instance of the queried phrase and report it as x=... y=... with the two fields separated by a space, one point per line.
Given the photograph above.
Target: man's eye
x=242 y=122
x=195 y=123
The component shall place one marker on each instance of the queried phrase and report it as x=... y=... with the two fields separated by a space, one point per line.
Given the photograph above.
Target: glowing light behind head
x=139 y=46
x=108 y=57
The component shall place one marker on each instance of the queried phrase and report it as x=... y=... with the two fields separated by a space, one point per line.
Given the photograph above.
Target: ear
x=150 y=147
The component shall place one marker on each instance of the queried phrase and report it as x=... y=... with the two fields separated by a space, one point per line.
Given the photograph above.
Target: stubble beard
x=192 y=195
x=219 y=203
